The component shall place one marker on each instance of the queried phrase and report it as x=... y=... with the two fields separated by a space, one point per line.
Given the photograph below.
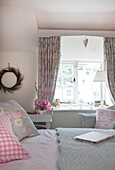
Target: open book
x=94 y=136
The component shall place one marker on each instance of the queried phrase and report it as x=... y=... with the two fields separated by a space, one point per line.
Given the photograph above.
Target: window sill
x=75 y=107
x=72 y=108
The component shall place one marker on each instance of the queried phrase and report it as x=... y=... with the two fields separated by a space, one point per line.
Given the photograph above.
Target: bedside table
x=41 y=120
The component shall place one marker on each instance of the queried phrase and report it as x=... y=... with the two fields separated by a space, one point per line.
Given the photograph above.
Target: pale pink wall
x=18 y=46
x=18 y=29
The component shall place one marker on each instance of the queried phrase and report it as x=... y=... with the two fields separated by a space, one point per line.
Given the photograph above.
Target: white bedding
x=43 y=151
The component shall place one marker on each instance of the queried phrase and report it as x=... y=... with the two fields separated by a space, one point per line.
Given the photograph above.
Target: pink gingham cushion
x=105 y=119
x=10 y=147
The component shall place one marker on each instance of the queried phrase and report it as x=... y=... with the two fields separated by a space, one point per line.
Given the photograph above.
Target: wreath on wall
x=19 y=79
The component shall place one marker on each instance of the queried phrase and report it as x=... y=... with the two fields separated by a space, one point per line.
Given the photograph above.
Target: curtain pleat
x=109 y=51
x=48 y=66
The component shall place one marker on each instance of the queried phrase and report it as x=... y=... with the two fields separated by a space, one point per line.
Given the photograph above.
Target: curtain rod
x=48 y=32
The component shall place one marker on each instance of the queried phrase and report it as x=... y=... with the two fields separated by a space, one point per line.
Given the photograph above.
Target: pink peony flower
x=42 y=104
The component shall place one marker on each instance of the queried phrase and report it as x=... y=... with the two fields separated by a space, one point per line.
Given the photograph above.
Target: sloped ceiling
x=70 y=14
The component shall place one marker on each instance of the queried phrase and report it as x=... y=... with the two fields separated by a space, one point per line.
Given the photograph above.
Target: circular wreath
x=18 y=83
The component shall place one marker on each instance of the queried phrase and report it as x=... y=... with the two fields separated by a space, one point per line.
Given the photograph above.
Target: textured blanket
x=82 y=155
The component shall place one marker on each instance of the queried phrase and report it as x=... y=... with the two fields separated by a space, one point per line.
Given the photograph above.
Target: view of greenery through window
x=75 y=83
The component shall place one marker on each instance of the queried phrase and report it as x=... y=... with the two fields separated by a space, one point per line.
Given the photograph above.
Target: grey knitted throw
x=81 y=155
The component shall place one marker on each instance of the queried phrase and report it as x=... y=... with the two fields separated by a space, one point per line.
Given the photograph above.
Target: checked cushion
x=10 y=147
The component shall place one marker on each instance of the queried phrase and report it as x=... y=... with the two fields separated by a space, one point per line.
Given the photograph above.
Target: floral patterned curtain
x=48 y=66
x=109 y=51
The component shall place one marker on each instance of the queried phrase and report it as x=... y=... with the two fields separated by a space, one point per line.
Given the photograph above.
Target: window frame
x=75 y=63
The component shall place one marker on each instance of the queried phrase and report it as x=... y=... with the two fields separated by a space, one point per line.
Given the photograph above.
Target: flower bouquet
x=42 y=104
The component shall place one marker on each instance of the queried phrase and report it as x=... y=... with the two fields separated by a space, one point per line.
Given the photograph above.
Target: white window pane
x=67 y=81
x=58 y=93
x=64 y=87
x=86 y=73
x=68 y=94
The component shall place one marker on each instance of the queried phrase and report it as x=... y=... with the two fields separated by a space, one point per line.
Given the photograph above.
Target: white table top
x=41 y=117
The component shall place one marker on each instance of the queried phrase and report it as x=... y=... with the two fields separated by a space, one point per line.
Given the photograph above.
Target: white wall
x=18 y=46
x=18 y=29
x=27 y=63
x=72 y=48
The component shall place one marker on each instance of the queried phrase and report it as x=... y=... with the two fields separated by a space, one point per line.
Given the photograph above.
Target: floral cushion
x=105 y=119
x=21 y=122
x=10 y=147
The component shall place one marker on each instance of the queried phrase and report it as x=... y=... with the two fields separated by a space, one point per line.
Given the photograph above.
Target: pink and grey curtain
x=109 y=51
x=48 y=66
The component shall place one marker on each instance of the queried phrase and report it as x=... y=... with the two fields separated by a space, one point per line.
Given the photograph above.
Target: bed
x=45 y=154
x=57 y=150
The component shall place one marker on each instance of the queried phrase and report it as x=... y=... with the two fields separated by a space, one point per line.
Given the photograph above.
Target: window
x=65 y=87
x=75 y=82
x=77 y=70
